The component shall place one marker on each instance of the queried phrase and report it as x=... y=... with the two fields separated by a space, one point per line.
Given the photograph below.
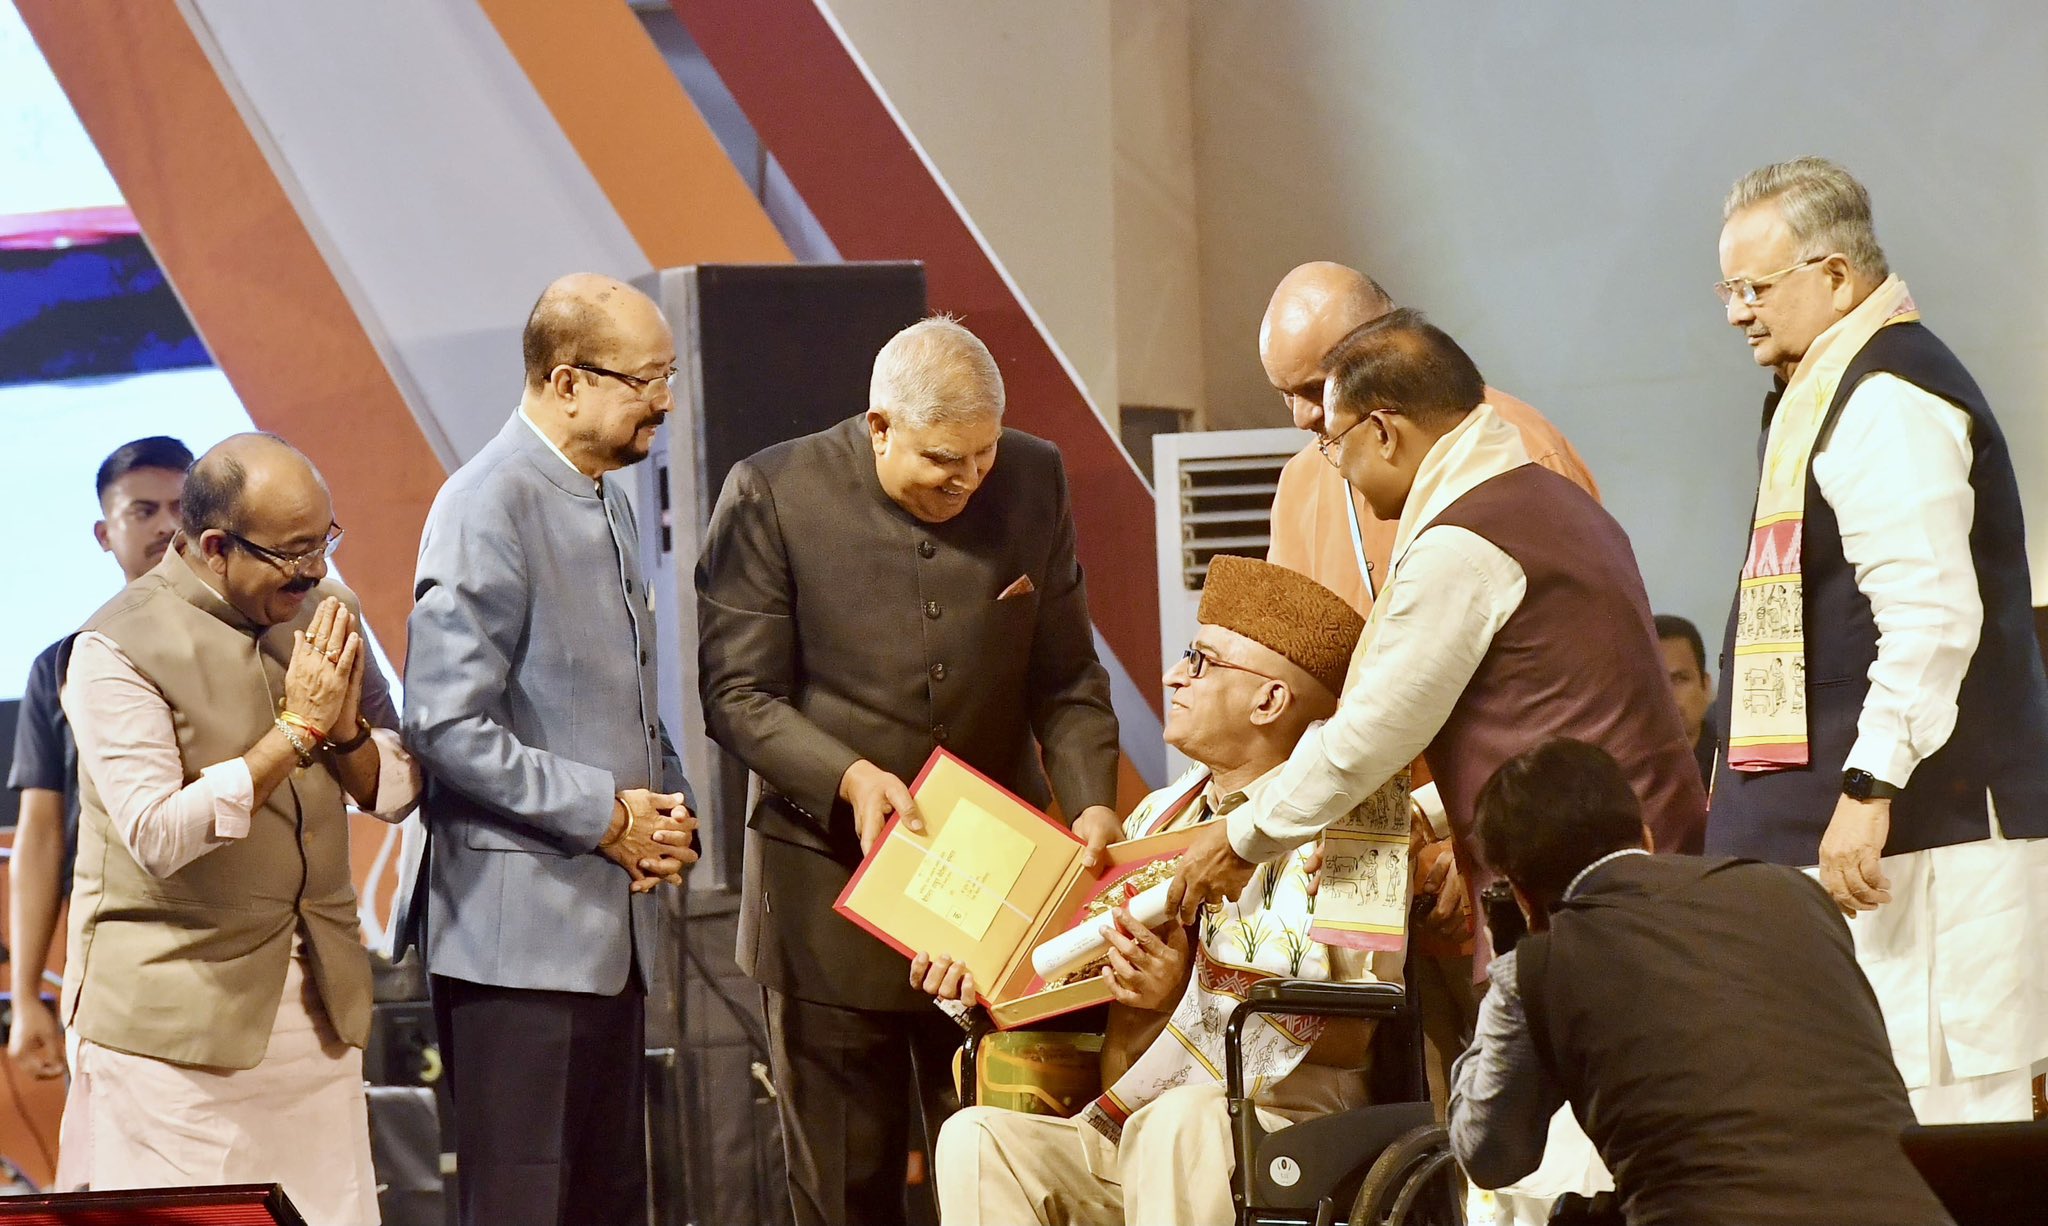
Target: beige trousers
x=1173 y=1167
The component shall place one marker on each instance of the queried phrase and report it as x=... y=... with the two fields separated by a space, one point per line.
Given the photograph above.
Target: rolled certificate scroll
x=1089 y=939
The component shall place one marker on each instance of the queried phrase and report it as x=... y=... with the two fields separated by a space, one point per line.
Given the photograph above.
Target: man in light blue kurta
x=530 y=697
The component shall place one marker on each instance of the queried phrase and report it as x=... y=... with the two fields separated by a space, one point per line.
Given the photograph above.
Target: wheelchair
x=1385 y=1164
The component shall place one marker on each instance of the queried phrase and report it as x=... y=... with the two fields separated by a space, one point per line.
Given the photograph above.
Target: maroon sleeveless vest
x=1579 y=658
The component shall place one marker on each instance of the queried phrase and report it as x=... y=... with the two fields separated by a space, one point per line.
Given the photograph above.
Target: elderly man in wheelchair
x=1315 y=1023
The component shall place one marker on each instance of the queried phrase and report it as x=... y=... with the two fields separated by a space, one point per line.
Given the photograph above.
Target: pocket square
x=1022 y=587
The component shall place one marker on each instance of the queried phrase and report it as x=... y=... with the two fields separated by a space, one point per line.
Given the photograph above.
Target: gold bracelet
x=624 y=826
x=307 y=726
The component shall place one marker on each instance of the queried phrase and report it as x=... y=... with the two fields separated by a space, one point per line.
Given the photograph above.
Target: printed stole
x=1767 y=727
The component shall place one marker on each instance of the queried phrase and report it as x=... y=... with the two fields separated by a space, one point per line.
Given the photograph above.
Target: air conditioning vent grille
x=1225 y=505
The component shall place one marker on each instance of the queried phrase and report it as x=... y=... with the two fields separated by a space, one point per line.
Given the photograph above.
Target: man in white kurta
x=217 y=990
x=1268 y=658
x=1885 y=715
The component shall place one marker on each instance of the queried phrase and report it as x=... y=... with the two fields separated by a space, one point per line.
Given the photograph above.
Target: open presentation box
x=988 y=881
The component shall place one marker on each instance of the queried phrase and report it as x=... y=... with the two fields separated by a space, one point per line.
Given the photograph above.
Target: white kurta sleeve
x=1450 y=594
x=1896 y=472
x=398 y=775
x=128 y=745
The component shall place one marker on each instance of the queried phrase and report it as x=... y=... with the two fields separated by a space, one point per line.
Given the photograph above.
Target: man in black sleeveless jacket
x=1884 y=712
x=1704 y=1017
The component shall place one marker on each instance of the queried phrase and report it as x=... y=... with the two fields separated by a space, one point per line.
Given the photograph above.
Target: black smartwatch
x=1862 y=785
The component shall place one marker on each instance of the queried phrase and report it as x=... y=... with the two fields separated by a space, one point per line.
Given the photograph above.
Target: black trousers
x=843 y=1080
x=550 y=1104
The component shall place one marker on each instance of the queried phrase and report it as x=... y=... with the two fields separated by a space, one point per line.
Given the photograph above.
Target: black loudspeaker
x=412 y=1138
x=242 y=1204
x=402 y=1050
x=781 y=350
x=734 y=1138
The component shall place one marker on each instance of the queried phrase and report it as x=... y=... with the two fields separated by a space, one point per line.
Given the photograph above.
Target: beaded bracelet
x=298 y=742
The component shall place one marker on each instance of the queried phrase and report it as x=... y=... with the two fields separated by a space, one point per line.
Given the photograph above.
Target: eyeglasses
x=1749 y=289
x=647 y=388
x=1199 y=661
x=1326 y=443
x=293 y=564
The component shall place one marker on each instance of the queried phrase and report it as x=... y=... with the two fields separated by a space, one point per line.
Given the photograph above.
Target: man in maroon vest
x=1513 y=613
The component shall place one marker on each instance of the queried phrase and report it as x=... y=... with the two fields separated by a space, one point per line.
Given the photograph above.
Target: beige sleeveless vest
x=190 y=968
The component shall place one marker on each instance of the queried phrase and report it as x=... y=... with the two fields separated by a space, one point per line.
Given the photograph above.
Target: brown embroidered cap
x=1285 y=611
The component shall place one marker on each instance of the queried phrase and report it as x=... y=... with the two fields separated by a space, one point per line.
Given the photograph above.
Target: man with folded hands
x=903 y=580
x=1269 y=658
x=531 y=694
x=227 y=712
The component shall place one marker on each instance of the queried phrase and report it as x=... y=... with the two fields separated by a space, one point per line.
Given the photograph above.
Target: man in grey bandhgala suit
x=530 y=696
x=867 y=593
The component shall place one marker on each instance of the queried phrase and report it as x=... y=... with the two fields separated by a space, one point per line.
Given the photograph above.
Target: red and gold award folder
x=988 y=881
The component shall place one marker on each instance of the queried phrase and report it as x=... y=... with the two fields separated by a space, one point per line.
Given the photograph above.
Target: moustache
x=299 y=586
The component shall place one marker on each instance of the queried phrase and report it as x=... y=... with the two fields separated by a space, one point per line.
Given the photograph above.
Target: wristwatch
x=341 y=749
x=1862 y=785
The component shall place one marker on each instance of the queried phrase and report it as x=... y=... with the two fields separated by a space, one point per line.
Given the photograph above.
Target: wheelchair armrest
x=1313 y=996
x=1302 y=996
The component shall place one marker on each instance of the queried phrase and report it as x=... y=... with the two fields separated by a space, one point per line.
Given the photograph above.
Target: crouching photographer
x=1704 y=1017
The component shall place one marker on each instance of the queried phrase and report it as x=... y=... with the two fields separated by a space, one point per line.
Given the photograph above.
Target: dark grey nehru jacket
x=834 y=626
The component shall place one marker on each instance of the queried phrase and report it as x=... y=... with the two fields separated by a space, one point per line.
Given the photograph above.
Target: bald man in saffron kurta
x=1316 y=306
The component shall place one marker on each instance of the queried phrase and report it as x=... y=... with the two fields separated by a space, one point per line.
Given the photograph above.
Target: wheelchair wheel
x=1414 y=1182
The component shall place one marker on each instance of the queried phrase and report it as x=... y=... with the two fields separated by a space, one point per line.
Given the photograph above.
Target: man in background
x=902 y=581
x=139 y=487
x=227 y=713
x=532 y=698
x=1315 y=510
x=1685 y=662
x=1782 y=1107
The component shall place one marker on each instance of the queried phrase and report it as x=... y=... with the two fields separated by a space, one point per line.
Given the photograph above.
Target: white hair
x=1823 y=205
x=935 y=371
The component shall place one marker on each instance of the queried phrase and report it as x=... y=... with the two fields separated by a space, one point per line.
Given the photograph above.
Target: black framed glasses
x=649 y=387
x=1199 y=661
x=1749 y=289
x=293 y=564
